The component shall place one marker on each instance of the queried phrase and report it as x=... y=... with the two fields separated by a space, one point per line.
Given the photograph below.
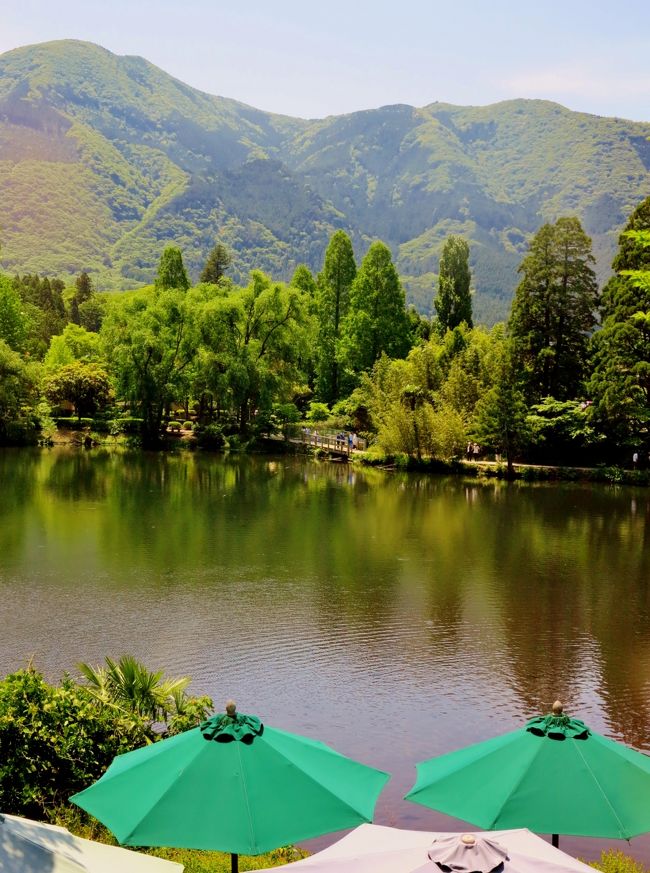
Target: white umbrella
x=376 y=849
x=33 y=847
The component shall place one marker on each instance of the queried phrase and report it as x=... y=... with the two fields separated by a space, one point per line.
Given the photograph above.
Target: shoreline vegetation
x=562 y=390
x=70 y=732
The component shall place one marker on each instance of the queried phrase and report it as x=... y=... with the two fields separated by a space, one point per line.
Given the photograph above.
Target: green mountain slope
x=103 y=159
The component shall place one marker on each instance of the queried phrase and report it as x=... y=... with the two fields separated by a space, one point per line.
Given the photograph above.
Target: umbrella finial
x=468 y=839
x=231 y=708
x=558 y=708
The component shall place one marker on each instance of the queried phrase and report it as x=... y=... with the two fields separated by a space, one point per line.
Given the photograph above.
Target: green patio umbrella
x=553 y=776
x=233 y=785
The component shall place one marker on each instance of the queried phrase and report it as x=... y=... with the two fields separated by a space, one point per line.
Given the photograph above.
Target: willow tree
x=150 y=344
x=554 y=311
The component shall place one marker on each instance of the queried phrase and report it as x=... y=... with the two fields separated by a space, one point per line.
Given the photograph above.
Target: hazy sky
x=313 y=59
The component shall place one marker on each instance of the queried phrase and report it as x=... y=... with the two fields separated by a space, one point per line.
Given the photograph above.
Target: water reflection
x=427 y=612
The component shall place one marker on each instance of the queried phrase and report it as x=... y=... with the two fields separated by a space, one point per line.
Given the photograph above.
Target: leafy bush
x=20 y=432
x=210 y=437
x=132 y=426
x=54 y=741
x=101 y=425
x=318 y=412
x=174 y=425
x=187 y=425
x=74 y=423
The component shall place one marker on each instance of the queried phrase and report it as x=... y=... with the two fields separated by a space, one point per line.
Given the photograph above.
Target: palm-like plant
x=129 y=686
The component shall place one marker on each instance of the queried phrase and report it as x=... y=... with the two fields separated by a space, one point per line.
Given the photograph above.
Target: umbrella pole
x=234 y=863
x=555 y=840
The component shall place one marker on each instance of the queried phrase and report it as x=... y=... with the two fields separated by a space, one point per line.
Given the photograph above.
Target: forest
x=565 y=380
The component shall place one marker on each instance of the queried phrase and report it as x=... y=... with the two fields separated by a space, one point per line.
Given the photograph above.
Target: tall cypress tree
x=171 y=271
x=554 y=311
x=377 y=322
x=620 y=382
x=83 y=287
x=453 y=301
x=333 y=300
x=216 y=265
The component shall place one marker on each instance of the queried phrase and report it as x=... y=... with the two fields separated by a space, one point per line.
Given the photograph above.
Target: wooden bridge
x=335 y=444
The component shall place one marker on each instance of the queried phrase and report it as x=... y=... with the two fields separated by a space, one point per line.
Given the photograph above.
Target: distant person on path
x=476 y=449
x=635 y=460
x=469 y=451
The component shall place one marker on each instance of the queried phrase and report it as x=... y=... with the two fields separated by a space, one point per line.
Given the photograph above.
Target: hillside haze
x=104 y=159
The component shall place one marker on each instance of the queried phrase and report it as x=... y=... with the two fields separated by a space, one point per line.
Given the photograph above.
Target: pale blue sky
x=314 y=59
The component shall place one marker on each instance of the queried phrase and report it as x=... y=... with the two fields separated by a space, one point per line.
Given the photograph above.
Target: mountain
x=104 y=159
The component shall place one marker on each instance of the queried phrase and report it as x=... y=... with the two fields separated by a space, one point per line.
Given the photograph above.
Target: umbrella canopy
x=376 y=849
x=233 y=785
x=33 y=847
x=553 y=776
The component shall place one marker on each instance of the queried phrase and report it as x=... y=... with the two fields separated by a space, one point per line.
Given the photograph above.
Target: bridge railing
x=331 y=441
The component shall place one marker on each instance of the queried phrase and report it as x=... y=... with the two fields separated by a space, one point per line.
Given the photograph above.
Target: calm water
x=394 y=617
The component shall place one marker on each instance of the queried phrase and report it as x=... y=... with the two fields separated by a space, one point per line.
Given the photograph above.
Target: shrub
x=21 y=432
x=132 y=426
x=100 y=425
x=74 y=423
x=54 y=741
x=187 y=425
x=174 y=426
x=210 y=437
x=318 y=412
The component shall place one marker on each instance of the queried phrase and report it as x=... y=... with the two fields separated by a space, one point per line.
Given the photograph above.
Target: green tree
x=74 y=344
x=554 y=311
x=150 y=344
x=14 y=323
x=333 y=300
x=376 y=322
x=453 y=301
x=252 y=344
x=216 y=265
x=405 y=409
x=92 y=312
x=85 y=385
x=620 y=382
x=501 y=414
x=470 y=367
x=302 y=278
x=18 y=394
x=83 y=288
x=561 y=432
x=45 y=310
x=171 y=271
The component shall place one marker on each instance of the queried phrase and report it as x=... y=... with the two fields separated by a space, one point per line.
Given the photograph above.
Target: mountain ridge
x=104 y=158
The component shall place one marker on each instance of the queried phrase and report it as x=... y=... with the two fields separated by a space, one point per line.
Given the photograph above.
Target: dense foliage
x=453 y=302
x=228 y=364
x=57 y=739
x=554 y=311
x=106 y=159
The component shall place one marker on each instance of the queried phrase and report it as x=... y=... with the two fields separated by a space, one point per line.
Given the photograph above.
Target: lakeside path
x=490 y=469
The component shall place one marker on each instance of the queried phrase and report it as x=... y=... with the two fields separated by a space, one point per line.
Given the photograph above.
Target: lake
x=393 y=616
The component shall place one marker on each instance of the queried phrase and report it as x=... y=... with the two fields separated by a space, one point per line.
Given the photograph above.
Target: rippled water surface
x=395 y=617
